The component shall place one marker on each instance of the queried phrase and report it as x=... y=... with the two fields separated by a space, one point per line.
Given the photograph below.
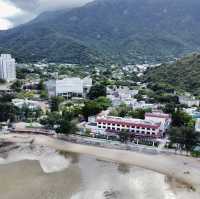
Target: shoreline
x=183 y=169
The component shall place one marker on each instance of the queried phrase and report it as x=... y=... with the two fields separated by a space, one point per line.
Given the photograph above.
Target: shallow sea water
x=42 y=173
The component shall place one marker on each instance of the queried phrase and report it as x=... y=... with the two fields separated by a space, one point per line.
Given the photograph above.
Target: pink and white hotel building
x=153 y=126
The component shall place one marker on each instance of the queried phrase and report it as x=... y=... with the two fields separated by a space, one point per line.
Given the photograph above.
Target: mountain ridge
x=124 y=31
x=183 y=74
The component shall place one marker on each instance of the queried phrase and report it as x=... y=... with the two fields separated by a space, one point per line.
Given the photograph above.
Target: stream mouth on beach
x=38 y=172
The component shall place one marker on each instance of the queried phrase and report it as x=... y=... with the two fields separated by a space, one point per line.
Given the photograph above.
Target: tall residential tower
x=7 y=68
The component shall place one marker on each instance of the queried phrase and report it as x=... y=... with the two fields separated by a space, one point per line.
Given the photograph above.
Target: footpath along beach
x=184 y=169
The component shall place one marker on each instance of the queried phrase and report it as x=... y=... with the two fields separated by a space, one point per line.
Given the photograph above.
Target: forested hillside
x=184 y=74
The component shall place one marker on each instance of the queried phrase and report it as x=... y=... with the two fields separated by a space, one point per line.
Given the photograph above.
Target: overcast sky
x=14 y=12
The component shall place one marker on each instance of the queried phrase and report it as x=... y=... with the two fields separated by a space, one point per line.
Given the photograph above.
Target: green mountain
x=35 y=43
x=184 y=74
x=127 y=31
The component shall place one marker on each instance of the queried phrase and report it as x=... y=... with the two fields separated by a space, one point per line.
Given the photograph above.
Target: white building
x=197 y=125
x=158 y=117
x=20 y=103
x=153 y=126
x=189 y=101
x=69 y=87
x=137 y=127
x=7 y=68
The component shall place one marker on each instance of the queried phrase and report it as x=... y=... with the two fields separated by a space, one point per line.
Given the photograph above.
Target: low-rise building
x=153 y=126
x=20 y=103
x=193 y=112
x=69 y=87
x=189 y=101
x=159 y=117
x=197 y=125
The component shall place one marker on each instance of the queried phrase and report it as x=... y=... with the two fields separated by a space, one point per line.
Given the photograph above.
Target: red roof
x=158 y=115
x=116 y=121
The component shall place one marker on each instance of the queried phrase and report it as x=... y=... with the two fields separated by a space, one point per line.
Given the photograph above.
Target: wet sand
x=183 y=169
x=26 y=180
x=85 y=178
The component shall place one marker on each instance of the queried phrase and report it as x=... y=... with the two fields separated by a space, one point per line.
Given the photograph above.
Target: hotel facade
x=153 y=126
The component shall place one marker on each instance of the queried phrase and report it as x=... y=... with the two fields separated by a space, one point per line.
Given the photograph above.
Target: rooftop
x=157 y=114
x=130 y=121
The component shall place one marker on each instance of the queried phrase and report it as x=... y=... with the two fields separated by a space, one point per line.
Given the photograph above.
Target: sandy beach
x=183 y=169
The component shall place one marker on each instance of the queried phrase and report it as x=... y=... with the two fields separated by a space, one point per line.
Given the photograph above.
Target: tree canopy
x=185 y=137
x=96 y=91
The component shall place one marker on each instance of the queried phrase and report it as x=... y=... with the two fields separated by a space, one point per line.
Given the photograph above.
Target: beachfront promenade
x=184 y=169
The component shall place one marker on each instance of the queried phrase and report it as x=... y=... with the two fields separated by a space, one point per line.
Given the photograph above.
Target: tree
x=93 y=107
x=96 y=91
x=17 y=86
x=90 y=108
x=169 y=108
x=6 y=97
x=138 y=113
x=2 y=81
x=103 y=102
x=41 y=85
x=121 y=111
x=43 y=94
x=139 y=97
x=180 y=118
x=25 y=113
x=185 y=137
x=67 y=124
x=7 y=112
x=52 y=119
x=124 y=136
x=55 y=103
x=21 y=73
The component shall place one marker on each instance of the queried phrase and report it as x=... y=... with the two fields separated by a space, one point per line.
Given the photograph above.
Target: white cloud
x=5 y=24
x=21 y=11
x=7 y=10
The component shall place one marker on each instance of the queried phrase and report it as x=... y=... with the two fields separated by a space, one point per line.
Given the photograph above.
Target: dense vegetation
x=127 y=31
x=184 y=74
